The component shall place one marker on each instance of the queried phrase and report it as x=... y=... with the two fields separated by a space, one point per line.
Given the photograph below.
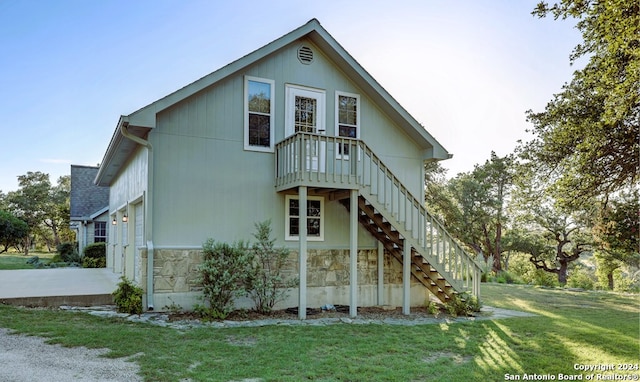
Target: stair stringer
x=393 y=244
x=417 y=248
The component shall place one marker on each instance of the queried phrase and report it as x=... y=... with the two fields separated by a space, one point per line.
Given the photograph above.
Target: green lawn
x=13 y=260
x=583 y=328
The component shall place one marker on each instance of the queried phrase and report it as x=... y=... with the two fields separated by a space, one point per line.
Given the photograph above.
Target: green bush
x=68 y=252
x=88 y=262
x=266 y=285
x=505 y=277
x=95 y=250
x=546 y=279
x=463 y=305
x=433 y=308
x=95 y=256
x=581 y=277
x=523 y=271
x=128 y=297
x=223 y=275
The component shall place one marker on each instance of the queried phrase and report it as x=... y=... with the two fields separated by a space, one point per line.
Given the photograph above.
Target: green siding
x=207 y=185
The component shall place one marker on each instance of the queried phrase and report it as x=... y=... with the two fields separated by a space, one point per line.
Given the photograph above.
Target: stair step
x=385 y=232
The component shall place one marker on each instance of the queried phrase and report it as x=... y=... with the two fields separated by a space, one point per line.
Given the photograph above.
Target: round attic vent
x=305 y=54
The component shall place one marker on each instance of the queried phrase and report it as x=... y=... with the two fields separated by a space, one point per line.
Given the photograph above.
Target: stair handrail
x=421 y=209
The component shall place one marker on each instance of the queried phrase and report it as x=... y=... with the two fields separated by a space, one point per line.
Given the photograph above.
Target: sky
x=468 y=70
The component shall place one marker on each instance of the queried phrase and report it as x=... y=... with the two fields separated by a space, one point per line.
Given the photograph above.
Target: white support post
x=406 y=277
x=380 y=273
x=353 y=254
x=302 y=255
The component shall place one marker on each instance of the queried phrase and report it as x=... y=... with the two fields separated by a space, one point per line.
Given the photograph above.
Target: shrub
x=88 y=262
x=266 y=285
x=582 y=278
x=520 y=268
x=546 y=279
x=505 y=277
x=68 y=252
x=35 y=261
x=95 y=250
x=463 y=305
x=128 y=297
x=223 y=275
x=95 y=256
x=433 y=308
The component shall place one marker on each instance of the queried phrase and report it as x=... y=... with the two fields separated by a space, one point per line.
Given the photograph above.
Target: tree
x=477 y=217
x=58 y=209
x=587 y=136
x=4 y=204
x=615 y=234
x=12 y=230
x=567 y=240
x=29 y=202
x=44 y=208
x=556 y=235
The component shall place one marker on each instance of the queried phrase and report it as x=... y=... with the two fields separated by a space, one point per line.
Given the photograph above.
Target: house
x=89 y=207
x=295 y=123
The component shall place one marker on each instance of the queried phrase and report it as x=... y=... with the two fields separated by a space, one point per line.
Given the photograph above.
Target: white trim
x=287 y=216
x=291 y=91
x=106 y=230
x=272 y=85
x=337 y=119
x=99 y=212
x=137 y=199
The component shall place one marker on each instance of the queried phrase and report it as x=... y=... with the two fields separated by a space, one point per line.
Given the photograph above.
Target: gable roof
x=144 y=119
x=87 y=200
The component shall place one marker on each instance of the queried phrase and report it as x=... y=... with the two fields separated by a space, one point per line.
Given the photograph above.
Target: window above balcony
x=259 y=114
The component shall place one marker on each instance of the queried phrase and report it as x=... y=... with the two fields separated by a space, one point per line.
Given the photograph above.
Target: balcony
x=318 y=161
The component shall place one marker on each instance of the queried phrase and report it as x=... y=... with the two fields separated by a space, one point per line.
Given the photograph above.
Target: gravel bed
x=31 y=359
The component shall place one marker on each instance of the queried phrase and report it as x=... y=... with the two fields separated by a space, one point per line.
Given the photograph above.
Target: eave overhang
x=118 y=151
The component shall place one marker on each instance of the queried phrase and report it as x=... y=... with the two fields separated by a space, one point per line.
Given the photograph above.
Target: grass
x=13 y=260
x=586 y=328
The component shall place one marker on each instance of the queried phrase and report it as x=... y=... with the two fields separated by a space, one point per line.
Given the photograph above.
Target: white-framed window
x=347 y=120
x=259 y=114
x=315 y=218
x=99 y=232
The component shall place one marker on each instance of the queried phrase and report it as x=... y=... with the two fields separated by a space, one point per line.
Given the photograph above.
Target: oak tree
x=587 y=136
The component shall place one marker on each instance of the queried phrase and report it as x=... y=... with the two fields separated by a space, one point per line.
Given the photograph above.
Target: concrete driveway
x=58 y=286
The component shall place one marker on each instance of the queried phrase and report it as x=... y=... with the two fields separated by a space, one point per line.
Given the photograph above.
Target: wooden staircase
x=393 y=243
x=386 y=209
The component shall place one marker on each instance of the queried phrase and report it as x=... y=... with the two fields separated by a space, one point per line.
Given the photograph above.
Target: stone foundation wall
x=175 y=271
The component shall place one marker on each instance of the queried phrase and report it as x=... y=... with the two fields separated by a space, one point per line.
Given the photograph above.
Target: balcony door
x=305 y=112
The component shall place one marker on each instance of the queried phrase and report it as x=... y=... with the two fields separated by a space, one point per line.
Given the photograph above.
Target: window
x=258 y=121
x=99 y=232
x=305 y=110
x=315 y=219
x=305 y=114
x=347 y=120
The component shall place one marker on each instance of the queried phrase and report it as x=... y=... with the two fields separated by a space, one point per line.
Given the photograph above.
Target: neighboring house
x=89 y=207
x=295 y=123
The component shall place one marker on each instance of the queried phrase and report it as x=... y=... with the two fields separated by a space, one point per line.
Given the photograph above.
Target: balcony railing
x=316 y=160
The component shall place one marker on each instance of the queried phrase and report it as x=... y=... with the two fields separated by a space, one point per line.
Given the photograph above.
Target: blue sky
x=467 y=70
